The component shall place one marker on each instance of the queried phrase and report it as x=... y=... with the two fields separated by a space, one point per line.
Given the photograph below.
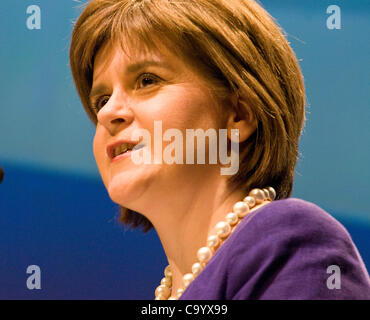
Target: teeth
x=122 y=148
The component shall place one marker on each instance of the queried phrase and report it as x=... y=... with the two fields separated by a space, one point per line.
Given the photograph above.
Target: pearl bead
x=204 y=254
x=196 y=268
x=162 y=290
x=272 y=193
x=187 y=279
x=222 y=229
x=267 y=194
x=232 y=218
x=168 y=272
x=250 y=201
x=213 y=241
x=179 y=292
x=167 y=282
x=258 y=195
x=241 y=208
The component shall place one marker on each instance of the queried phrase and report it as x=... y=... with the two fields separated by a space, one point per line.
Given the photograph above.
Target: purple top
x=282 y=251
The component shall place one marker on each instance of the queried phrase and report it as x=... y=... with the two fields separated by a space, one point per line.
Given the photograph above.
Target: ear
x=241 y=118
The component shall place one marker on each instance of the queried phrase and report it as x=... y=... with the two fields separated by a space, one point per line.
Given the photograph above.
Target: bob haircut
x=237 y=46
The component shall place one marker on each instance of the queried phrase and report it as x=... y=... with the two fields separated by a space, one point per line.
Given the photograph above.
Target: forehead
x=114 y=52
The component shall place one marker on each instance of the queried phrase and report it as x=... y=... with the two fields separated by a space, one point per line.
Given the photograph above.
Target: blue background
x=54 y=210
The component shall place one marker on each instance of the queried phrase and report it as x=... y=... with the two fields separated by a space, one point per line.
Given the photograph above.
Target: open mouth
x=122 y=148
x=125 y=148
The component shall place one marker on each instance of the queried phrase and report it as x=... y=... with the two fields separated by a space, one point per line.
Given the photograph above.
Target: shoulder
x=283 y=251
x=294 y=218
x=288 y=223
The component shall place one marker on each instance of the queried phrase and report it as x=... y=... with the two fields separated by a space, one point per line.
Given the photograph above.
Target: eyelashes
x=96 y=105
x=150 y=79
x=148 y=76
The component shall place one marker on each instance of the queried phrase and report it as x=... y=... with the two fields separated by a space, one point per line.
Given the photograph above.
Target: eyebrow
x=132 y=68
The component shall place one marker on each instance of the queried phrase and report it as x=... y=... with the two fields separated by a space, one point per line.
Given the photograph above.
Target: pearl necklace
x=222 y=231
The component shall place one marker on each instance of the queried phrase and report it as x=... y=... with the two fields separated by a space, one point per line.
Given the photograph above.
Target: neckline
x=228 y=242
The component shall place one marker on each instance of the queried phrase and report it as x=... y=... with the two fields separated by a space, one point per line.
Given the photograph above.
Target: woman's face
x=131 y=97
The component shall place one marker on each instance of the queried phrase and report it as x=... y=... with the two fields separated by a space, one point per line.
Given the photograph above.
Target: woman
x=154 y=66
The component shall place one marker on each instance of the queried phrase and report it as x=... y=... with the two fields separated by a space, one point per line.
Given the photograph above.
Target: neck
x=188 y=217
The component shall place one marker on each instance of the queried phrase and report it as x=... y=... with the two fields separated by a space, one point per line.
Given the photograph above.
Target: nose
x=115 y=114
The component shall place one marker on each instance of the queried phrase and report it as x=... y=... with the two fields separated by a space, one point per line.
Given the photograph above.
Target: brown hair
x=237 y=44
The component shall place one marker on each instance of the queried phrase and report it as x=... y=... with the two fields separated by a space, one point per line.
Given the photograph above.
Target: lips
x=121 y=147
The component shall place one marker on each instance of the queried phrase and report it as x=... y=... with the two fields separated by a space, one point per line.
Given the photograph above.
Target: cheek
x=99 y=151
x=187 y=109
x=198 y=113
x=96 y=147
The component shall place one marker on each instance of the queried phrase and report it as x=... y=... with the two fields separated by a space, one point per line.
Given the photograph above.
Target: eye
x=146 y=79
x=99 y=103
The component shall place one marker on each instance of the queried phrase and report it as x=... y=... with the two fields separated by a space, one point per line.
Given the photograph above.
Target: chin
x=127 y=187
x=121 y=190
